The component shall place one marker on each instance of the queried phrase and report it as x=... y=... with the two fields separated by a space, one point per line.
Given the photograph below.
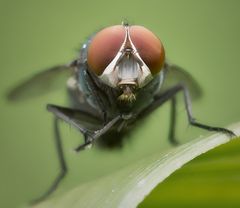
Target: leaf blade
x=128 y=187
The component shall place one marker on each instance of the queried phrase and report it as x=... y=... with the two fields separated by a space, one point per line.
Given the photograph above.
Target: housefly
x=119 y=77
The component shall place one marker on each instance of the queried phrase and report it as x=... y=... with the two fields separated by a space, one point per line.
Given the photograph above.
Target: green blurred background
x=201 y=36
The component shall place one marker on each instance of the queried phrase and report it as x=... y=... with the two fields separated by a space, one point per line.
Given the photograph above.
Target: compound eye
x=149 y=47
x=104 y=47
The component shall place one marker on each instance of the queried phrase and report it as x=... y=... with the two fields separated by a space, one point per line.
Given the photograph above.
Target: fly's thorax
x=126 y=58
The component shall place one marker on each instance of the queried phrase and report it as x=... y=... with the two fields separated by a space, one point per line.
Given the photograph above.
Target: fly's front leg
x=62 y=162
x=77 y=118
x=90 y=137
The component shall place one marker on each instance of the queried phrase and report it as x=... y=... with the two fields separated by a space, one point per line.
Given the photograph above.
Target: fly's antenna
x=125 y=22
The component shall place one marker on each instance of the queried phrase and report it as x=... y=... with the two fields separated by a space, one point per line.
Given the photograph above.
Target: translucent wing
x=41 y=83
x=174 y=75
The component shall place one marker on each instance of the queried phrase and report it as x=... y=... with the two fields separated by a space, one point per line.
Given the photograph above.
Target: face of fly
x=126 y=58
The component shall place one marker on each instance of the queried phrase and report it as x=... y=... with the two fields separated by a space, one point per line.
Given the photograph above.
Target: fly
x=119 y=77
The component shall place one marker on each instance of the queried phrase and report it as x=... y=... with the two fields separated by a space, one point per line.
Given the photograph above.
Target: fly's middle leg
x=171 y=134
x=62 y=162
x=71 y=116
x=170 y=94
x=192 y=121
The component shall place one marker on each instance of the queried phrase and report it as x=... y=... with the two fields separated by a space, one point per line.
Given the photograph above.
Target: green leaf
x=129 y=186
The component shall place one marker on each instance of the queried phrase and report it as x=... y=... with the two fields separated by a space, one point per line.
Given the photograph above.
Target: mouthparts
x=128 y=95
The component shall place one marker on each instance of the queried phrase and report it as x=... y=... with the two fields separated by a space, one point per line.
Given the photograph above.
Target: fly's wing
x=41 y=83
x=174 y=75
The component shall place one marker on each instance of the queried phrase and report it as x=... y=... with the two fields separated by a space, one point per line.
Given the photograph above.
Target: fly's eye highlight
x=149 y=47
x=104 y=47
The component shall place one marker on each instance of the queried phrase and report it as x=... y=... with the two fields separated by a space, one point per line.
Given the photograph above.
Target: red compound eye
x=104 y=47
x=149 y=47
x=108 y=41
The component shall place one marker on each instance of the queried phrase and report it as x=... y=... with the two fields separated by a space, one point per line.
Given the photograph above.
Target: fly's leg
x=170 y=94
x=192 y=121
x=75 y=118
x=62 y=162
x=171 y=134
x=90 y=138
